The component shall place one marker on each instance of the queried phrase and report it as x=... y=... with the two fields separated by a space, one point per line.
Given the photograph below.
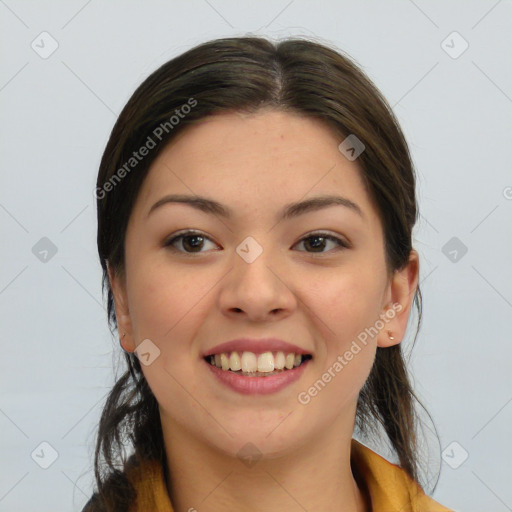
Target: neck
x=316 y=477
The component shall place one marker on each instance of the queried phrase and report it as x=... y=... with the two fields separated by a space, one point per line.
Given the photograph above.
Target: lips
x=257 y=385
x=255 y=366
x=256 y=357
x=256 y=346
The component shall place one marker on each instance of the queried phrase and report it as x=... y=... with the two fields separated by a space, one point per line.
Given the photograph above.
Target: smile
x=251 y=373
x=250 y=364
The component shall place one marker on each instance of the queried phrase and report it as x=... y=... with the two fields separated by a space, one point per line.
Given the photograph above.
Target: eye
x=194 y=240
x=190 y=239
x=320 y=240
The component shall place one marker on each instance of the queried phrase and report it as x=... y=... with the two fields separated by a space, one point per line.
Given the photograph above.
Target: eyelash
x=342 y=244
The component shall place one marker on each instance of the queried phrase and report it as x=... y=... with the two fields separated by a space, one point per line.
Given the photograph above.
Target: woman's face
x=255 y=274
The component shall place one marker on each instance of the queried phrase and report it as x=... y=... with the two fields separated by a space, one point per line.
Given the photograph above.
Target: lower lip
x=258 y=385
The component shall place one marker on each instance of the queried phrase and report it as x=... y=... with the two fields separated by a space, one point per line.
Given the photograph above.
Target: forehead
x=263 y=160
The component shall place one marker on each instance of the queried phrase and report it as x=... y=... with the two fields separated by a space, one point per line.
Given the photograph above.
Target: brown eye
x=191 y=242
x=318 y=242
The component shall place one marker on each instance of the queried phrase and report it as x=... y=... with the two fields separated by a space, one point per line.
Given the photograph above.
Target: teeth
x=250 y=362
x=279 y=361
x=266 y=362
x=224 y=361
x=234 y=361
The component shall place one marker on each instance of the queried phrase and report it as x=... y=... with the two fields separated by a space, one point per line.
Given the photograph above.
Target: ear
x=124 y=324
x=399 y=299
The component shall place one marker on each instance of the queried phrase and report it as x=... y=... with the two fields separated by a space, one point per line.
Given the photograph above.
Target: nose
x=258 y=289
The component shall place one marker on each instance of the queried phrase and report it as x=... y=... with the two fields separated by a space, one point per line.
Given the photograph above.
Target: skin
x=320 y=301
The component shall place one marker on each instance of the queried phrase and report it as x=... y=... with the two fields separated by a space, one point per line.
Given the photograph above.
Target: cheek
x=344 y=302
x=164 y=299
x=346 y=305
x=166 y=306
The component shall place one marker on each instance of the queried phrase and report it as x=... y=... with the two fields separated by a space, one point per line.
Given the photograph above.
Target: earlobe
x=391 y=333
x=124 y=325
x=400 y=297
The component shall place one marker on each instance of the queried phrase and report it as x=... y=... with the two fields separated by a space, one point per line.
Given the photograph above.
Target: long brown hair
x=247 y=74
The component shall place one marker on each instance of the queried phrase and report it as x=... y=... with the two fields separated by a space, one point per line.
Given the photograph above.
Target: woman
x=255 y=209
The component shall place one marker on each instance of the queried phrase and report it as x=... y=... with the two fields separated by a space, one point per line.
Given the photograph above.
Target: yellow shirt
x=388 y=487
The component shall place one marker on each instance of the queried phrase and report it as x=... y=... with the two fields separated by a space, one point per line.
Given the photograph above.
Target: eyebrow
x=289 y=211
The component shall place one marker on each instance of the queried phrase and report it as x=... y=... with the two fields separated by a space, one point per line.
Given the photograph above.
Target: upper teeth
x=251 y=362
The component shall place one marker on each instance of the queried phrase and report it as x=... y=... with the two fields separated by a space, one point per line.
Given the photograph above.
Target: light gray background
x=57 y=112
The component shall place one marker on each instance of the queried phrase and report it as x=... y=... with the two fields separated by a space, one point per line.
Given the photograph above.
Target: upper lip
x=257 y=346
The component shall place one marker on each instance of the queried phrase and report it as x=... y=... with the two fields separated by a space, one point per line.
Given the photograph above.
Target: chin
x=267 y=437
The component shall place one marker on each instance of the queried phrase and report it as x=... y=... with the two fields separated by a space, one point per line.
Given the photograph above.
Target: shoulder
x=387 y=485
